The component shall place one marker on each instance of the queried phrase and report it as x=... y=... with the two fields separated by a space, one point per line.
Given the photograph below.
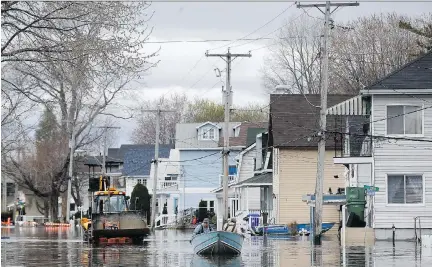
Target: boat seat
x=230 y=227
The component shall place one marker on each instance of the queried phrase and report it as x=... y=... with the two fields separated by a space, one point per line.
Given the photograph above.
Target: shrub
x=293 y=228
x=140 y=200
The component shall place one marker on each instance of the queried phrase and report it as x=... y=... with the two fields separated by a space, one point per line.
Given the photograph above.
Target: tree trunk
x=63 y=207
x=54 y=206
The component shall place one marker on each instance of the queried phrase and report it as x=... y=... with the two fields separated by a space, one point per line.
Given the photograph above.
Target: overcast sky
x=225 y=20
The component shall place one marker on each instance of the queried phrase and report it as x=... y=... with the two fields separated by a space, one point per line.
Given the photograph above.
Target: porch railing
x=231 y=179
x=259 y=220
x=164 y=220
x=168 y=185
x=352 y=145
x=427 y=220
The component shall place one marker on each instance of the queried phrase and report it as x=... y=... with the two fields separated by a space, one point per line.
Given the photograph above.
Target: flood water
x=54 y=247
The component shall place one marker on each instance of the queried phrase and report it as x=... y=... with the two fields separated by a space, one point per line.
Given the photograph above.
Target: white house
x=386 y=142
x=169 y=187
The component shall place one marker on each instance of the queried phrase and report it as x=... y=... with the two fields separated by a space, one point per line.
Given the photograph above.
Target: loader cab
x=105 y=202
x=108 y=199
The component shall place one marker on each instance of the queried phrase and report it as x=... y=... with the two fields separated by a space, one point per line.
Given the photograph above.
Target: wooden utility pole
x=105 y=147
x=319 y=186
x=158 y=112
x=228 y=58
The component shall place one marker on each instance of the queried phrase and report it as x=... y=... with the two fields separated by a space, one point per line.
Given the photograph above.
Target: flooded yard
x=53 y=247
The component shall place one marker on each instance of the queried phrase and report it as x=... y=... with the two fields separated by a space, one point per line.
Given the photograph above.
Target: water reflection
x=204 y=261
x=114 y=255
x=59 y=247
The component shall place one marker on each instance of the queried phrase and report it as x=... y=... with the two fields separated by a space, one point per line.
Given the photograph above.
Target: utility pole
x=105 y=147
x=158 y=112
x=319 y=186
x=228 y=58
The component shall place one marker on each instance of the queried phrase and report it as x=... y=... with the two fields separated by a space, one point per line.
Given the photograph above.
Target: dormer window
x=212 y=134
x=237 y=130
x=208 y=131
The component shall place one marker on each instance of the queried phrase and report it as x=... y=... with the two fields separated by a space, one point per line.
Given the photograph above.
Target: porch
x=351 y=131
x=263 y=182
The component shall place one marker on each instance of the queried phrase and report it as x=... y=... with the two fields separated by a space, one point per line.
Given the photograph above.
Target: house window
x=208 y=134
x=405 y=189
x=204 y=134
x=10 y=187
x=404 y=120
x=211 y=206
x=237 y=131
x=212 y=134
x=171 y=177
x=72 y=206
x=139 y=181
x=232 y=170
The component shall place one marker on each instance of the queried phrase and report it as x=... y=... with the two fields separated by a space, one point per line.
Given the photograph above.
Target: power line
x=254 y=31
x=203 y=41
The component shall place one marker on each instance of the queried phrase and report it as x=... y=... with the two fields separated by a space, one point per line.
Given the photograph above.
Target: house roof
x=257 y=180
x=293 y=119
x=97 y=160
x=187 y=135
x=120 y=152
x=244 y=139
x=416 y=74
x=208 y=122
x=252 y=133
x=137 y=158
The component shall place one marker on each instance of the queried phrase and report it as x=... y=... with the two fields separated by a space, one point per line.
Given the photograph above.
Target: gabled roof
x=293 y=119
x=414 y=75
x=137 y=158
x=208 y=122
x=187 y=136
x=244 y=139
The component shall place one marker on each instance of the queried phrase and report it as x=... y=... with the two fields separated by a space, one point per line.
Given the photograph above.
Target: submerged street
x=54 y=247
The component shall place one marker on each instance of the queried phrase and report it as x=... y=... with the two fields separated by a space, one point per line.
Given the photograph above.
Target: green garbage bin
x=357 y=208
x=356 y=201
x=355 y=194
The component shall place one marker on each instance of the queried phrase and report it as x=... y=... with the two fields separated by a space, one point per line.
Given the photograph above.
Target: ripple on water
x=172 y=248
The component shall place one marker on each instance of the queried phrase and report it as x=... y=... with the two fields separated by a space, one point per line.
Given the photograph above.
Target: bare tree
x=361 y=52
x=94 y=50
x=294 y=60
x=375 y=47
x=422 y=27
x=145 y=131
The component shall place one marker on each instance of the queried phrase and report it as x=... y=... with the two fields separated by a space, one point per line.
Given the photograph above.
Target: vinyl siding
x=203 y=173
x=192 y=200
x=297 y=176
x=246 y=170
x=249 y=197
x=276 y=171
x=401 y=157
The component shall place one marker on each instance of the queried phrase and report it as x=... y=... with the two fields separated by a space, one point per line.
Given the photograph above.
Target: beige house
x=293 y=125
